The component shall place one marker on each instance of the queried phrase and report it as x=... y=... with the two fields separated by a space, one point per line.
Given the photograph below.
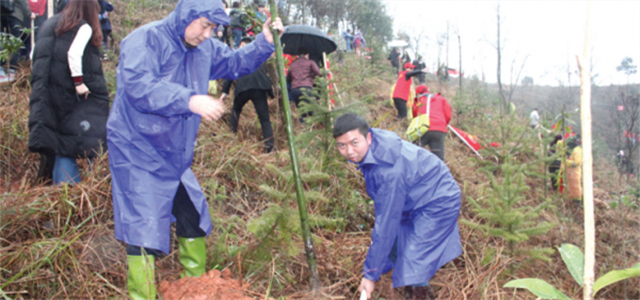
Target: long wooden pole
x=49 y=8
x=314 y=280
x=584 y=64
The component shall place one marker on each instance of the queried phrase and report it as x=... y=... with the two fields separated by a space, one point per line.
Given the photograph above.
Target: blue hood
x=188 y=11
x=385 y=147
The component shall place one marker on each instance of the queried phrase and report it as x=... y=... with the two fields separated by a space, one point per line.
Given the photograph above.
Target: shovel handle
x=363 y=295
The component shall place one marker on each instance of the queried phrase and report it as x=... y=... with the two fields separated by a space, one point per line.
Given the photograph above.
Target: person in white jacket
x=534 y=117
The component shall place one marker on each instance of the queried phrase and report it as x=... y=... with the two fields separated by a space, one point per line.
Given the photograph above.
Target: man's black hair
x=303 y=51
x=348 y=122
x=235 y=4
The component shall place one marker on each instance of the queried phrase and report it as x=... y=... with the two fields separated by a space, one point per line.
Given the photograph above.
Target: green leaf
x=615 y=276
x=574 y=259
x=537 y=286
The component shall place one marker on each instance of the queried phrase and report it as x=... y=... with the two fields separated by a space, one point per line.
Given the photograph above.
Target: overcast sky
x=548 y=33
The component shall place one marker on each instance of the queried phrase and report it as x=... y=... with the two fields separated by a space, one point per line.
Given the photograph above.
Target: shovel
x=363 y=295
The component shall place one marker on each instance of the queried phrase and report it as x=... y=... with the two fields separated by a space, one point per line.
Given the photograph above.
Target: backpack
x=420 y=124
x=236 y=18
x=7 y=6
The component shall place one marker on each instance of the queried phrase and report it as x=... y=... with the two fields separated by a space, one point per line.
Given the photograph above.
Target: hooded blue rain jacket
x=151 y=132
x=416 y=201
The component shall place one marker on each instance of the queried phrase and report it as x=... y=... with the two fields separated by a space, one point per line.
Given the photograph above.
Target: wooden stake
x=49 y=9
x=584 y=64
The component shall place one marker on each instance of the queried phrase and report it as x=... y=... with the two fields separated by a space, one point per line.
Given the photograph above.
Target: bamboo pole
x=584 y=65
x=314 y=280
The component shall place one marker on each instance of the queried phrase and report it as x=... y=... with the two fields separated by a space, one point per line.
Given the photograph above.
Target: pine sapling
x=506 y=215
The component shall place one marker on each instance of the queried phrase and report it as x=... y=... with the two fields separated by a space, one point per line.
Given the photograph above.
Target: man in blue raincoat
x=417 y=203
x=163 y=76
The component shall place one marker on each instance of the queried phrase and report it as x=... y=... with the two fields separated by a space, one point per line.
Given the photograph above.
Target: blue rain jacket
x=416 y=201
x=151 y=132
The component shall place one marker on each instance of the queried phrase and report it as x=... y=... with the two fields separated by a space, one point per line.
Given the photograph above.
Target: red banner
x=38 y=6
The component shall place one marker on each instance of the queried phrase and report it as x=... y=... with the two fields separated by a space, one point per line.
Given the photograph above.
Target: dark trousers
x=259 y=99
x=435 y=141
x=401 y=106
x=105 y=38
x=396 y=68
x=187 y=222
x=298 y=94
x=554 y=168
x=45 y=170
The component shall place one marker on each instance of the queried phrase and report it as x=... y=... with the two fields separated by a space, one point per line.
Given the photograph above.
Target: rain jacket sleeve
x=145 y=88
x=388 y=211
x=232 y=64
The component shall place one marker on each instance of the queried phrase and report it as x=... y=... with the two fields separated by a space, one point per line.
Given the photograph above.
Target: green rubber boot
x=192 y=254
x=141 y=278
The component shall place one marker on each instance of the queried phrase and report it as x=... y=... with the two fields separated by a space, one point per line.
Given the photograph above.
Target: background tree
x=628 y=117
x=627 y=67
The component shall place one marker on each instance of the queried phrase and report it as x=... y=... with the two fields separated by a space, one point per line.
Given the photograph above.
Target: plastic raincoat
x=416 y=201
x=574 y=174
x=151 y=132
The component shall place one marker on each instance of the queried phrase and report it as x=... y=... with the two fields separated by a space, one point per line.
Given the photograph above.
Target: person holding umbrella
x=394 y=57
x=163 y=74
x=301 y=74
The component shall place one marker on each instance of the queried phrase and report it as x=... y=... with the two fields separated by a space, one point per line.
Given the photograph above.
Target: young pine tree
x=506 y=215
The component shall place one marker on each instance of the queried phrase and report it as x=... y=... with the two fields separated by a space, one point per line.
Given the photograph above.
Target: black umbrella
x=312 y=38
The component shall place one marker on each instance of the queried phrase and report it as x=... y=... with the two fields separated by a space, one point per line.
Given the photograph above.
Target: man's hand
x=367 y=286
x=266 y=29
x=425 y=70
x=208 y=108
x=82 y=90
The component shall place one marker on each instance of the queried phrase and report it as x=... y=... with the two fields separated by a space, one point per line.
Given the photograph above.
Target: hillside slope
x=58 y=242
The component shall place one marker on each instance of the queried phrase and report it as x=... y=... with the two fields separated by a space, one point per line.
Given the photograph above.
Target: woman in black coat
x=69 y=102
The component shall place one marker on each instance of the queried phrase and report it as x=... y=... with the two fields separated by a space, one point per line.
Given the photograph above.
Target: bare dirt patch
x=213 y=285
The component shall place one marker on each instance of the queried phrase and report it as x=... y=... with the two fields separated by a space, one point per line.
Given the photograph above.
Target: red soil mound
x=210 y=286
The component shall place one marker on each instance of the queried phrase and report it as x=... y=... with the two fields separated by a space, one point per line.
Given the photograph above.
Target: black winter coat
x=60 y=121
x=258 y=80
